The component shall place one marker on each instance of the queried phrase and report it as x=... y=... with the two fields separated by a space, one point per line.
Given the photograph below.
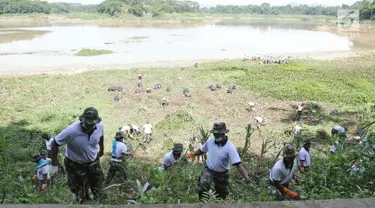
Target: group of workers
x=84 y=140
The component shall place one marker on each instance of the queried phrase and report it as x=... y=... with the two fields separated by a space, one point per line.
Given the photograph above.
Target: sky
x=239 y=2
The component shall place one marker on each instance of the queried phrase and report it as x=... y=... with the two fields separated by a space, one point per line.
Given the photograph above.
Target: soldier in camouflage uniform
x=221 y=152
x=119 y=153
x=82 y=155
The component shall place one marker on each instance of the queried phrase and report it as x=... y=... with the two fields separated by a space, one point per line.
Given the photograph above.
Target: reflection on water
x=134 y=44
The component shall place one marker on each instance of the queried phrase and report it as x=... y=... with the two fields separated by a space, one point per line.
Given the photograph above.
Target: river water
x=134 y=46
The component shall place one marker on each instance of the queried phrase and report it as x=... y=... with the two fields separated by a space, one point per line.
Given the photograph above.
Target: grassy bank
x=48 y=103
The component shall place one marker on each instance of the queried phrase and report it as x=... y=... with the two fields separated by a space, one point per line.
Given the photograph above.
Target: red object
x=140 y=73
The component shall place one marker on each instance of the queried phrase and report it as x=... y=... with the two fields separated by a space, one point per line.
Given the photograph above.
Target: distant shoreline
x=169 y=18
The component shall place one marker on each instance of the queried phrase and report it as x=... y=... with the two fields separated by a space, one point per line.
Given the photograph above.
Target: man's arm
x=101 y=144
x=243 y=172
x=54 y=150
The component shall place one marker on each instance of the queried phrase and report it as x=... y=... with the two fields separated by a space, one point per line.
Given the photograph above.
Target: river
x=137 y=46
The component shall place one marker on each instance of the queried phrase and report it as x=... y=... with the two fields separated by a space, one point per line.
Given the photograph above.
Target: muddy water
x=152 y=45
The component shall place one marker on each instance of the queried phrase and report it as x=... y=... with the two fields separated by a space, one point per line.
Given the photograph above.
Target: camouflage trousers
x=215 y=181
x=82 y=177
x=116 y=168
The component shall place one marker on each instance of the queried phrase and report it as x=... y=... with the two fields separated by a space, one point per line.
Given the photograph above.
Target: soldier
x=171 y=158
x=220 y=152
x=119 y=153
x=282 y=173
x=85 y=145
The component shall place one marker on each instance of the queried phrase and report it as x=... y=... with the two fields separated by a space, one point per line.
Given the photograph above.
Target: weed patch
x=92 y=52
x=177 y=120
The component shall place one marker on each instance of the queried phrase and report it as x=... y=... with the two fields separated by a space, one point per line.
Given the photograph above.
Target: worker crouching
x=119 y=153
x=282 y=173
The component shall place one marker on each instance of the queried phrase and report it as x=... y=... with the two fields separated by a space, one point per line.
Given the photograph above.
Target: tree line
x=158 y=7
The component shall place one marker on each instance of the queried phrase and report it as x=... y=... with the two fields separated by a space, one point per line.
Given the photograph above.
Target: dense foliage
x=158 y=7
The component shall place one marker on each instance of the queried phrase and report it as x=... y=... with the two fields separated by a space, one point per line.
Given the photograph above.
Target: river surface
x=136 y=46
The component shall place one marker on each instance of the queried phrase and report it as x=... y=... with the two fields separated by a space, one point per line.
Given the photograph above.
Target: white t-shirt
x=41 y=170
x=297 y=129
x=125 y=129
x=300 y=108
x=135 y=127
x=169 y=160
x=219 y=156
x=340 y=129
x=304 y=155
x=280 y=173
x=148 y=128
x=49 y=143
x=120 y=149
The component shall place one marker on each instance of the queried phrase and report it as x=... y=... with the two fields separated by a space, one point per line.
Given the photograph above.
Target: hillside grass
x=48 y=103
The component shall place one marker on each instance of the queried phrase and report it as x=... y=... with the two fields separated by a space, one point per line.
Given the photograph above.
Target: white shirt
x=280 y=173
x=219 y=156
x=297 y=129
x=304 y=155
x=340 y=129
x=42 y=169
x=80 y=148
x=125 y=129
x=147 y=128
x=169 y=160
x=120 y=149
x=300 y=108
x=135 y=127
x=49 y=143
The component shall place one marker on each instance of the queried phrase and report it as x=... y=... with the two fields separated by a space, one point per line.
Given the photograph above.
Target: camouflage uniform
x=81 y=177
x=213 y=180
x=114 y=168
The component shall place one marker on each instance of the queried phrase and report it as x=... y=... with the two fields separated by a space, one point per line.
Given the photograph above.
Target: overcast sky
x=213 y=2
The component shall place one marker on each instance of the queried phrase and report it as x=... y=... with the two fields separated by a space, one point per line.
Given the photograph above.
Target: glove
x=302 y=169
x=190 y=155
x=43 y=187
x=53 y=170
x=290 y=193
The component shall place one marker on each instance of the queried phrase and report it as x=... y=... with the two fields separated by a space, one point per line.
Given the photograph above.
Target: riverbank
x=165 y=18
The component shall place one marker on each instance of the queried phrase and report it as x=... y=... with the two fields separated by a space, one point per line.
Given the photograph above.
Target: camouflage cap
x=289 y=151
x=43 y=152
x=178 y=147
x=119 y=135
x=91 y=115
x=219 y=128
x=35 y=158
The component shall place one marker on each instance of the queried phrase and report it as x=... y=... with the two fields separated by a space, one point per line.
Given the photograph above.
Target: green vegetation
x=92 y=52
x=48 y=103
x=156 y=8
